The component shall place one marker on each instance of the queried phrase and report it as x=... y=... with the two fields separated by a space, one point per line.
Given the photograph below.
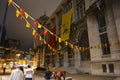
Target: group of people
x=19 y=74
x=56 y=75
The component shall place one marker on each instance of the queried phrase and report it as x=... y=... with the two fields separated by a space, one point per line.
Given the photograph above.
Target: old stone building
x=95 y=31
x=39 y=46
x=103 y=29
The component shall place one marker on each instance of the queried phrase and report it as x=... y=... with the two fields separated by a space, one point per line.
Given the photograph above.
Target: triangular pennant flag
x=17 y=13
x=36 y=35
x=26 y=15
x=44 y=42
x=21 y=18
x=71 y=45
x=35 y=23
x=83 y=49
x=22 y=12
x=45 y=32
x=9 y=2
x=40 y=38
x=34 y=31
x=59 y=40
x=111 y=44
x=39 y=25
x=66 y=43
x=27 y=24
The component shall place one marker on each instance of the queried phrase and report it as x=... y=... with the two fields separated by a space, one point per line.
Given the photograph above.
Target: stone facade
x=95 y=26
x=104 y=64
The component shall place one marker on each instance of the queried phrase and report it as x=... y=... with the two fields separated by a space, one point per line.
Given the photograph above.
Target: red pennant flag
x=36 y=35
x=22 y=12
x=21 y=18
x=45 y=32
x=35 y=23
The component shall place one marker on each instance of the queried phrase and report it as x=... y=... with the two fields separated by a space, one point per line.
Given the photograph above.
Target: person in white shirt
x=17 y=74
x=29 y=73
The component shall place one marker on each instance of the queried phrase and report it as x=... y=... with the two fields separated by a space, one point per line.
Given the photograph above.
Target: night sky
x=16 y=29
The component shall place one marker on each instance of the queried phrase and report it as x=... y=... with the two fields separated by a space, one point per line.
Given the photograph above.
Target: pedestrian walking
x=17 y=74
x=54 y=75
x=29 y=73
x=58 y=75
x=21 y=68
x=4 y=68
x=63 y=74
x=47 y=74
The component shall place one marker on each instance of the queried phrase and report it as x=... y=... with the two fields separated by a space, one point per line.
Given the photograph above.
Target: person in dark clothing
x=47 y=74
x=63 y=74
x=4 y=68
x=21 y=68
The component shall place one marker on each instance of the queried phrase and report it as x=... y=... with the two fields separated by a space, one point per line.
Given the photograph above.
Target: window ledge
x=106 y=56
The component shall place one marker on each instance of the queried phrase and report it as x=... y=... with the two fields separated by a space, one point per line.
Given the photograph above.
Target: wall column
x=66 y=64
x=77 y=58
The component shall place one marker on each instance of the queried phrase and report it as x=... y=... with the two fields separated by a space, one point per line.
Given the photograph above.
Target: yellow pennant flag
x=26 y=15
x=34 y=31
x=40 y=38
x=44 y=42
x=39 y=25
x=17 y=13
x=71 y=45
x=66 y=43
x=9 y=2
x=27 y=24
x=48 y=45
x=59 y=40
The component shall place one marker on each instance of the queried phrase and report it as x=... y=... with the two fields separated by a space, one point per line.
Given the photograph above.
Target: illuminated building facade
x=95 y=31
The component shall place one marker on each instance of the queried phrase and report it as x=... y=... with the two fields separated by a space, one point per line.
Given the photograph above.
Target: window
x=100 y=16
x=104 y=40
x=61 y=59
x=111 y=68
x=101 y=22
x=53 y=60
x=80 y=8
x=104 y=67
x=84 y=41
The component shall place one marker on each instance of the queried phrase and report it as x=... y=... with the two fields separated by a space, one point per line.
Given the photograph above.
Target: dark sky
x=17 y=29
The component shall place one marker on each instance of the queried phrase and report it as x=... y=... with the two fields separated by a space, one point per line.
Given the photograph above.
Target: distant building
x=12 y=48
x=39 y=46
x=95 y=31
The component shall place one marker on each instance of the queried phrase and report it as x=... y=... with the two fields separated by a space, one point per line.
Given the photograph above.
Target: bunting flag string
x=24 y=15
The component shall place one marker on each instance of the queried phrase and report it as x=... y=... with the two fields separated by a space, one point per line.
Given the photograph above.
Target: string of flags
x=24 y=16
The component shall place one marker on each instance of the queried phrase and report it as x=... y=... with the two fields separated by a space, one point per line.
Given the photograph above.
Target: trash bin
x=68 y=78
